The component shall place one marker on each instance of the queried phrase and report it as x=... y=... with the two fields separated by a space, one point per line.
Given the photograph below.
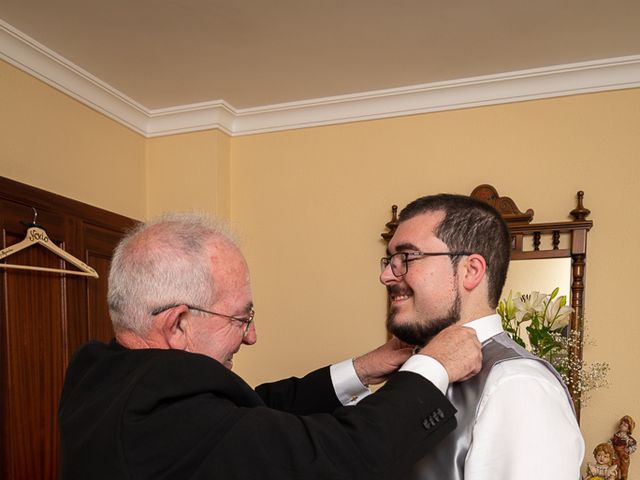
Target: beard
x=418 y=331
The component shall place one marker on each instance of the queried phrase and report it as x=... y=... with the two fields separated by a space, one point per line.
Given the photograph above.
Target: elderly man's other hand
x=458 y=349
x=376 y=366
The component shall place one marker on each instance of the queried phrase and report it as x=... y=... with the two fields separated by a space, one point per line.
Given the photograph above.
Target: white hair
x=161 y=263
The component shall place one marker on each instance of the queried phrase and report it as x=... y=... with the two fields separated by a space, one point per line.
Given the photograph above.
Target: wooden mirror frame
x=522 y=230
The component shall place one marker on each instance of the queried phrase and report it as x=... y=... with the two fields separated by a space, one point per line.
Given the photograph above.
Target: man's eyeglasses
x=247 y=321
x=400 y=261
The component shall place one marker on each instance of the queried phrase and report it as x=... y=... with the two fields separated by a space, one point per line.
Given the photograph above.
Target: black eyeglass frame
x=388 y=261
x=247 y=321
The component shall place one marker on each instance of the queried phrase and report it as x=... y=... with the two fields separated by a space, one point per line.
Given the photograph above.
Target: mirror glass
x=539 y=275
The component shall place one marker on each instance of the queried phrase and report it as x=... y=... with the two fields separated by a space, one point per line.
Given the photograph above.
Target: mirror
x=539 y=275
x=543 y=256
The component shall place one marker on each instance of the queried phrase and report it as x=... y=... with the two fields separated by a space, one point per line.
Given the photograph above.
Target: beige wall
x=53 y=142
x=189 y=172
x=310 y=205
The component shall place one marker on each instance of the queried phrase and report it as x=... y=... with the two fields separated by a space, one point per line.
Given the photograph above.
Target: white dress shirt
x=525 y=427
x=350 y=390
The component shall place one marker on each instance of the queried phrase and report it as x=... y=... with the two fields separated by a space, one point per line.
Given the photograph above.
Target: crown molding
x=585 y=77
x=37 y=60
x=548 y=82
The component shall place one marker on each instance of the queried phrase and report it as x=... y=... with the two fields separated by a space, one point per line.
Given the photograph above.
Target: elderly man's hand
x=458 y=349
x=374 y=367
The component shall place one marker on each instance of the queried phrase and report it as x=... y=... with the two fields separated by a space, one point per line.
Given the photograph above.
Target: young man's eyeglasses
x=400 y=261
x=247 y=321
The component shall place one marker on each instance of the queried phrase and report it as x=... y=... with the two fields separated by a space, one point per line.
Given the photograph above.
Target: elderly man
x=447 y=265
x=161 y=401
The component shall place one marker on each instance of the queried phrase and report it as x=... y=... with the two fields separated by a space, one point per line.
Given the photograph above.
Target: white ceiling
x=252 y=53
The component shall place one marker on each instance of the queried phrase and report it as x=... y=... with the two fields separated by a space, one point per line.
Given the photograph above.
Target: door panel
x=45 y=316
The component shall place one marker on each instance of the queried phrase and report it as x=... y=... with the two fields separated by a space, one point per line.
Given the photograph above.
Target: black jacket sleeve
x=313 y=393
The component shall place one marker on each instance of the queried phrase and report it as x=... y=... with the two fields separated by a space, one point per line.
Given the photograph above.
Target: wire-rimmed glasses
x=247 y=321
x=400 y=261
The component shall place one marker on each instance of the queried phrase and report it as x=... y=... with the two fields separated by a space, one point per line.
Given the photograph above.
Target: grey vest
x=447 y=460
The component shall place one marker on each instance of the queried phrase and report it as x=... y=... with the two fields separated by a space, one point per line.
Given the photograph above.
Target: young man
x=447 y=265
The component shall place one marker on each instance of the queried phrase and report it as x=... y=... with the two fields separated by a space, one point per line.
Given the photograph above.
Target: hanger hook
x=35 y=215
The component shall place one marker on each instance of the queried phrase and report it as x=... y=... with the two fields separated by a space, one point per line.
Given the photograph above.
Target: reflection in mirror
x=539 y=275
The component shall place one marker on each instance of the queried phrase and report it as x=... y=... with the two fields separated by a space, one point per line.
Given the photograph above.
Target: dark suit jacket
x=167 y=414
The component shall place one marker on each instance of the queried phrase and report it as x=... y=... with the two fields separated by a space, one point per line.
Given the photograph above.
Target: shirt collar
x=486 y=327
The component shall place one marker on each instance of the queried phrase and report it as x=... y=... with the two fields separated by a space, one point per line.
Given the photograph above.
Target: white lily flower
x=558 y=314
x=529 y=304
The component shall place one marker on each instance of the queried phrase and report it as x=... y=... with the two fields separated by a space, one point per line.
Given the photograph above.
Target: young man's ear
x=475 y=269
x=172 y=324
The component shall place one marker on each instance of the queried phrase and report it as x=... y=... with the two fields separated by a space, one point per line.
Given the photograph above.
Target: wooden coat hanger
x=37 y=235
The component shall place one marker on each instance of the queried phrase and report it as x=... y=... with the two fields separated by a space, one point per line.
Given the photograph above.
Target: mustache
x=399 y=290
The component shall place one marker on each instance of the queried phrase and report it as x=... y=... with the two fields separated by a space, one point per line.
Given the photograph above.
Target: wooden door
x=45 y=317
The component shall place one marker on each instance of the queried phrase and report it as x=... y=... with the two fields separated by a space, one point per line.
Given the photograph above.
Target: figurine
x=604 y=468
x=624 y=445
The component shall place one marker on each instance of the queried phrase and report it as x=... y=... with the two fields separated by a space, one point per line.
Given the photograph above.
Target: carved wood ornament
x=540 y=241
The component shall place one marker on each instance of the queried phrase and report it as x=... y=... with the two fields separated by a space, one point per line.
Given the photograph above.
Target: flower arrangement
x=538 y=322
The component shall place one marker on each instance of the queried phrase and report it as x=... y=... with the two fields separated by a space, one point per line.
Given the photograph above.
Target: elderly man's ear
x=475 y=269
x=173 y=326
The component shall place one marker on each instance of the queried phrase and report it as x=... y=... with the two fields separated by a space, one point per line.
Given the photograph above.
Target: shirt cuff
x=347 y=385
x=429 y=368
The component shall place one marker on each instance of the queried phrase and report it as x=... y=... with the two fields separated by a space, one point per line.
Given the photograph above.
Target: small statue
x=624 y=445
x=604 y=468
